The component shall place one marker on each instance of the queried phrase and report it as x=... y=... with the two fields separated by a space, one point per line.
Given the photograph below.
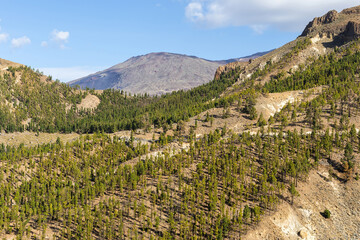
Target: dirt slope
x=303 y=219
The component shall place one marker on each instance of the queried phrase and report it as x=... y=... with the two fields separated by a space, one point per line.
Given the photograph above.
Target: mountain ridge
x=156 y=73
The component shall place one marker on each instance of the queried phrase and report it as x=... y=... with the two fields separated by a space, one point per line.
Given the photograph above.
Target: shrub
x=326 y=213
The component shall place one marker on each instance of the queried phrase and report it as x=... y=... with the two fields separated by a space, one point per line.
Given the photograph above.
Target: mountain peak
x=156 y=73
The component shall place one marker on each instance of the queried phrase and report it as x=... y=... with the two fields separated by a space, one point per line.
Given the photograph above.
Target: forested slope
x=217 y=189
x=33 y=102
x=214 y=185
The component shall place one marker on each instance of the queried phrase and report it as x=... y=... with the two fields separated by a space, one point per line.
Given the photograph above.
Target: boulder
x=302 y=234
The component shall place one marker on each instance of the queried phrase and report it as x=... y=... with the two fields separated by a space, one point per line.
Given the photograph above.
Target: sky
x=71 y=39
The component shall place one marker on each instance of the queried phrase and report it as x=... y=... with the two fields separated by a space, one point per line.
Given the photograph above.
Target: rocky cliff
x=344 y=25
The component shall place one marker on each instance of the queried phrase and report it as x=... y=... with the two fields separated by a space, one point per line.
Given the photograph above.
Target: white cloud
x=20 y=42
x=65 y=74
x=60 y=37
x=259 y=29
x=288 y=15
x=3 y=37
x=194 y=11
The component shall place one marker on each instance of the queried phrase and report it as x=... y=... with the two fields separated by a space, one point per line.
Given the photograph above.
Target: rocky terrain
x=326 y=32
x=344 y=25
x=4 y=64
x=303 y=219
x=156 y=73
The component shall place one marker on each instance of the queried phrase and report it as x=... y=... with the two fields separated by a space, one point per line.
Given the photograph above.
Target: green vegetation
x=83 y=187
x=326 y=213
x=333 y=70
x=118 y=111
x=26 y=94
x=218 y=188
x=52 y=106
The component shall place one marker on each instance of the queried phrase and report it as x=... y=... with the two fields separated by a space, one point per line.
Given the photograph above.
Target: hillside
x=156 y=73
x=267 y=150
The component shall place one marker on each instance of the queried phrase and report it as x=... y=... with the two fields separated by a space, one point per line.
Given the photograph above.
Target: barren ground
x=304 y=218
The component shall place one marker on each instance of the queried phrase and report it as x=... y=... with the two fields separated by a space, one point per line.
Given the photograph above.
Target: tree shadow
x=335 y=164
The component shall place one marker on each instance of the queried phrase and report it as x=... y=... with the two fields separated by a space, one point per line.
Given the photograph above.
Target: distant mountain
x=156 y=73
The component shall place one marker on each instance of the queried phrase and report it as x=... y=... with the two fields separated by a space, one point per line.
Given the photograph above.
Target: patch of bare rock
x=303 y=219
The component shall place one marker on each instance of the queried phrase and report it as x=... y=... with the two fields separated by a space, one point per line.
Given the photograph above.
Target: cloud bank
x=286 y=15
x=20 y=42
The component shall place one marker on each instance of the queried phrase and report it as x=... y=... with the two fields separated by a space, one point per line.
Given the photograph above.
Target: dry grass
x=32 y=139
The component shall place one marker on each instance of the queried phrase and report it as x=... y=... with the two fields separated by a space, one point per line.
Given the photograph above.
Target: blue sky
x=70 y=39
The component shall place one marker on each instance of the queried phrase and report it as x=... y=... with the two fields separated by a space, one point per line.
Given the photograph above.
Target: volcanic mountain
x=156 y=73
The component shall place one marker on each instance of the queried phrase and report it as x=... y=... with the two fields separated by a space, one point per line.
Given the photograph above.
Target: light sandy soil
x=89 y=102
x=4 y=64
x=32 y=139
x=303 y=219
x=271 y=103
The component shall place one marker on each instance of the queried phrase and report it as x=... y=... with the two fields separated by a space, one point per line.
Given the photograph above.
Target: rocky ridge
x=344 y=25
x=326 y=32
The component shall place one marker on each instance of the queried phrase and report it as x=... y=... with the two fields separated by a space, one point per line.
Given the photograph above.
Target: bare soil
x=89 y=102
x=304 y=218
x=33 y=139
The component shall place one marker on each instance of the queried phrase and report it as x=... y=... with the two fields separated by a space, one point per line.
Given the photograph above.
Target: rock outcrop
x=227 y=67
x=326 y=19
x=343 y=25
x=352 y=30
x=351 y=11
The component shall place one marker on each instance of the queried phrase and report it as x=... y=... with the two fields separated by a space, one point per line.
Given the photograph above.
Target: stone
x=326 y=19
x=303 y=234
x=352 y=29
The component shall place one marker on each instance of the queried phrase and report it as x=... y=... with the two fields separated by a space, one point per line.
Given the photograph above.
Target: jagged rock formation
x=318 y=21
x=344 y=25
x=228 y=67
x=352 y=29
x=156 y=73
